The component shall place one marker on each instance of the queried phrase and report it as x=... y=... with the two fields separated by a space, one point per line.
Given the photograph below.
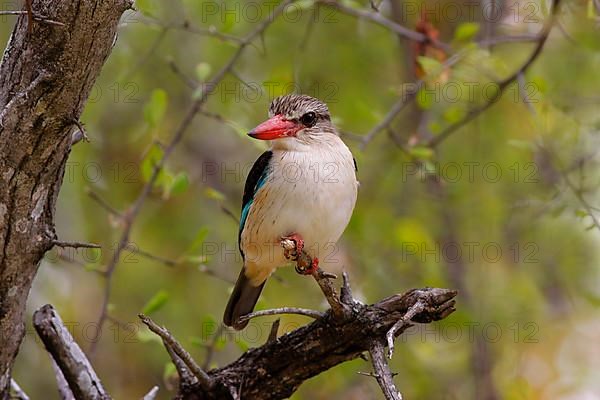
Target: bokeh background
x=501 y=209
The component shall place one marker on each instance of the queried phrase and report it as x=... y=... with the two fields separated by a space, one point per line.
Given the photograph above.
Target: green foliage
x=157 y=302
x=412 y=208
x=466 y=31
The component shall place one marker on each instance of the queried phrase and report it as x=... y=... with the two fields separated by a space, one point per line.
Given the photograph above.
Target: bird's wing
x=256 y=179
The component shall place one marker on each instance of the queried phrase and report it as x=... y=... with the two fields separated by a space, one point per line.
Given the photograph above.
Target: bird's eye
x=309 y=119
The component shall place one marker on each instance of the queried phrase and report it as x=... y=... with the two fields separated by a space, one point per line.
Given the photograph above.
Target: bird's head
x=295 y=119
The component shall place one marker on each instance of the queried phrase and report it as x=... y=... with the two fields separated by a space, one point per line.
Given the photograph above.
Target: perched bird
x=302 y=190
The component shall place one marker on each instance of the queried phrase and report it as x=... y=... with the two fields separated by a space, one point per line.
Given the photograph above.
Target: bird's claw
x=303 y=269
x=292 y=246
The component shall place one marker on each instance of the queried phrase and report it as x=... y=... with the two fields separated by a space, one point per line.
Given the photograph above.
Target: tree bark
x=45 y=78
x=275 y=370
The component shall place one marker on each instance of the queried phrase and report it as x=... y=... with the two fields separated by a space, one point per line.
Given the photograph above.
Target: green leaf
x=581 y=213
x=169 y=371
x=179 y=184
x=424 y=99
x=431 y=66
x=466 y=31
x=145 y=6
x=203 y=71
x=198 y=240
x=453 y=114
x=214 y=194
x=421 y=152
x=146 y=336
x=304 y=4
x=155 y=108
x=154 y=155
x=156 y=302
x=242 y=344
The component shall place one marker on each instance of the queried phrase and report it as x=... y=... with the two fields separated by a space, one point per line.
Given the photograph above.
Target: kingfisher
x=300 y=191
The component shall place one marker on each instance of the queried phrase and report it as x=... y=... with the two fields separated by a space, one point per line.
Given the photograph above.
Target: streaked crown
x=294 y=106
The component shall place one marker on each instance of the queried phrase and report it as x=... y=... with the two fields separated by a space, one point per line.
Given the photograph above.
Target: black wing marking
x=256 y=178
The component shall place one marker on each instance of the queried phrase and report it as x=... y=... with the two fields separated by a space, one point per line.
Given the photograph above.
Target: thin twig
x=404 y=100
x=18 y=393
x=64 y=391
x=74 y=365
x=39 y=18
x=182 y=370
x=204 y=379
x=283 y=310
x=103 y=203
x=502 y=85
x=80 y=134
x=151 y=395
x=76 y=245
x=385 y=22
x=418 y=307
x=382 y=372
x=274 y=330
x=187 y=27
x=189 y=82
x=210 y=349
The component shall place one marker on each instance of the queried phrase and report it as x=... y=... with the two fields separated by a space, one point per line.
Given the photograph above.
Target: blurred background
x=501 y=208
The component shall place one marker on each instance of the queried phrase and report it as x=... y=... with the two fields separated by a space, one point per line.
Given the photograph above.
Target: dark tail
x=242 y=301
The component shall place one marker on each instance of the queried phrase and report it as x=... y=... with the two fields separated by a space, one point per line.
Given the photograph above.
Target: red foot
x=293 y=254
x=314 y=266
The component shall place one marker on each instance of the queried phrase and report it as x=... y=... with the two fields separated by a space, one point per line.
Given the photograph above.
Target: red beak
x=274 y=128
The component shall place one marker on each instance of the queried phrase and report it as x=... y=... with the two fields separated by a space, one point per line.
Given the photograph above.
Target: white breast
x=311 y=193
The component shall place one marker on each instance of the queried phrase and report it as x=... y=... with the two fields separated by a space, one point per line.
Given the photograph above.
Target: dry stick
x=64 y=391
x=502 y=85
x=134 y=210
x=404 y=100
x=417 y=308
x=318 y=346
x=182 y=370
x=151 y=395
x=205 y=380
x=76 y=245
x=29 y=16
x=19 y=394
x=103 y=203
x=382 y=372
x=80 y=134
x=210 y=349
x=274 y=329
x=283 y=310
x=186 y=27
x=74 y=365
x=38 y=18
x=385 y=22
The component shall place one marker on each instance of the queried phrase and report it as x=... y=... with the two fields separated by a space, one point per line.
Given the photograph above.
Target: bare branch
x=33 y=17
x=169 y=340
x=318 y=346
x=284 y=310
x=74 y=365
x=103 y=203
x=274 y=330
x=76 y=245
x=18 y=393
x=503 y=84
x=382 y=372
x=64 y=391
x=151 y=395
x=382 y=21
